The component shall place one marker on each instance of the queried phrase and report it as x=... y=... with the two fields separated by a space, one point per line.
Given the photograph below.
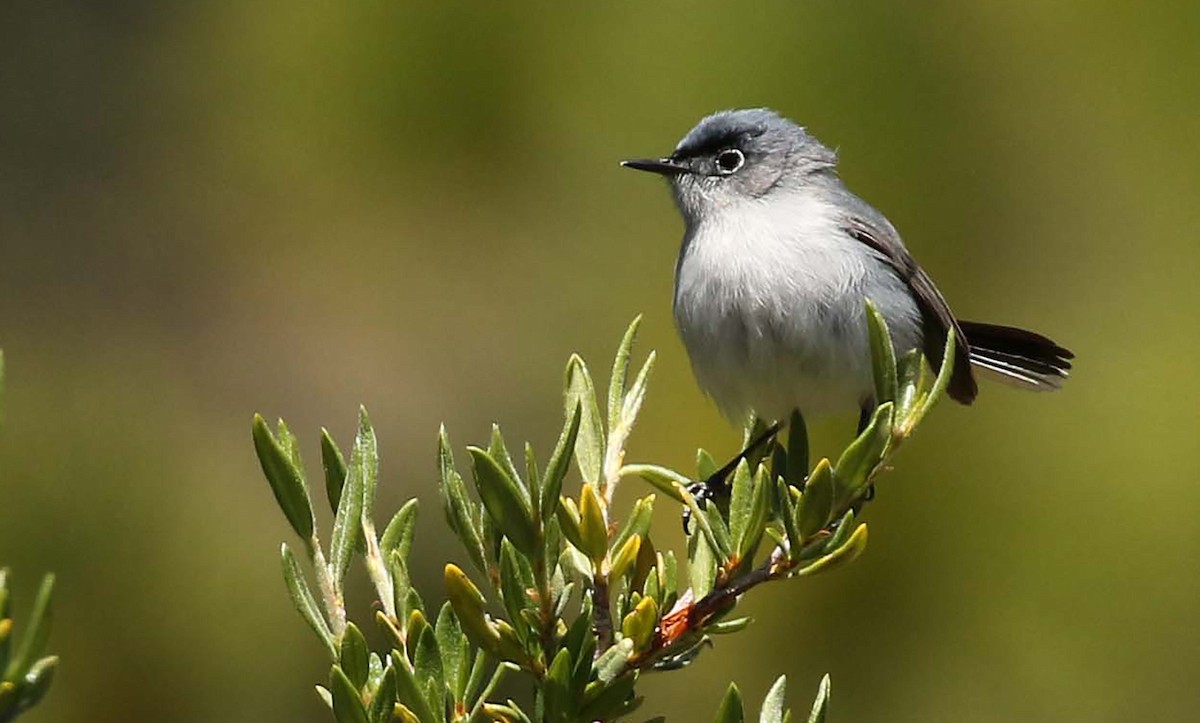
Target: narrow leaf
x=843 y=555
x=452 y=645
x=640 y=623
x=637 y=395
x=505 y=501
x=347 y=523
x=37 y=631
x=37 y=681
x=667 y=481
x=384 y=703
x=856 y=465
x=354 y=656
x=731 y=710
x=556 y=468
x=589 y=444
x=468 y=604
x=816 y=502
x=821 y=704
x=398 y=535
x=797 y=451
x=613 y=662
x=741 y=503
x=304 y=601
x=498 y=451
x=285 y=479
x=592 y=528
x=366 y=455
x=943 y=378
x=334 y=465
x=347 y=701
x=773 y=710
x=883 y=355
x=408 y=690
x=616 y=384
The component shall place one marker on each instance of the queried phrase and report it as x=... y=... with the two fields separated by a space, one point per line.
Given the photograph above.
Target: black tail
x=1018 y=357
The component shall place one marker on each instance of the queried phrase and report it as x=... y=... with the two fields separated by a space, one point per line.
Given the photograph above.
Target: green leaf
x=625 y=557
x=845 y=526
x=638 y=522
x=858 y=462
x=608 y=702
x=667 y=481
x=909 y=373
x=569 y=521
x=640 y=623
x=457 y=505
x=468 y=605
x=454 y=650
x=821 y=704
x=731 y=710
x=347 y=701
x=511 y=588
x=285 y=478
x=354 y=656
x=556 y=468
x=384 y=703
x=398 y=535
x=636 y=396
x=589 y=444
x=705 y=465
x=304 y=601
x=408 y=690
x=843 y=555
x=499 y=452
x=773 y=710
x=816 y=502
x=701 y=520
x=883 y=355
x=702 y=565
x=498 y=676
x=797 y=451
x=557 y=688
x=725 y=627
x=37 y=632
x=944 y=374
x=427 y=668
x=347 y=523
x=366 y=452
x=593 y=531
x=505 y=500
x=616 y=384
x=756 y=523
x=741 y=503
x=334 y=465
x=37 y=681
x=613 y=661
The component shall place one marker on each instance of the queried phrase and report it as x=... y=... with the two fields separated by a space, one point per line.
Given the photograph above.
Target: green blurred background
x=210 y=209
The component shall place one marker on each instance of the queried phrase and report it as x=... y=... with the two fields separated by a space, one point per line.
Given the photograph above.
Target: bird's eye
x=729 y=160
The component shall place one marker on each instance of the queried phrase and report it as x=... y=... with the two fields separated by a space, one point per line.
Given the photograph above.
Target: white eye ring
x=729 y=161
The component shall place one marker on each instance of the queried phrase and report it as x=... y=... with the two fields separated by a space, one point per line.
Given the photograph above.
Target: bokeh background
x=208 y=209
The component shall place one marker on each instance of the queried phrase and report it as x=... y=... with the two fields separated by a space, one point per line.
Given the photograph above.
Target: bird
x=777 y=260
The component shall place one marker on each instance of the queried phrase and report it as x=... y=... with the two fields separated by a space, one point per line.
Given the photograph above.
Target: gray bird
x=777 y=259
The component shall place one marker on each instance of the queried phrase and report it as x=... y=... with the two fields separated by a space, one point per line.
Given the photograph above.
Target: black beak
x=661 y=166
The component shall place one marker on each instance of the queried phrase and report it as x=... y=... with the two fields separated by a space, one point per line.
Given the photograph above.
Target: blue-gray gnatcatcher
x=777 y=259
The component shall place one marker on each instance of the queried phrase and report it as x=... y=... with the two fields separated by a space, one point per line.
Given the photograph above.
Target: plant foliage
x=562 y=590
x=25 y=674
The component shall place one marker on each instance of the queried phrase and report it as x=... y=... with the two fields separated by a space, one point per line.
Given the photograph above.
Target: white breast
x=769 y=302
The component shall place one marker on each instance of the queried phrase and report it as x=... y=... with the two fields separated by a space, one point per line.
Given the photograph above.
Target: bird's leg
x=714 y=486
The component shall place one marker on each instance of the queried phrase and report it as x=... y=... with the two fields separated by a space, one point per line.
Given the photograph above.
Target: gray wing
x=866 y=225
